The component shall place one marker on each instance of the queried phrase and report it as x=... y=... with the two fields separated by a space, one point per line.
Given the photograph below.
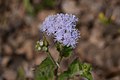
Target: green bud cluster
x=41 y=45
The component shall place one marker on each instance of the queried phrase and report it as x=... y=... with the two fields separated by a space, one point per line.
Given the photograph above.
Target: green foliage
x=21 y=74
x=86 y=71
x=104 y=19
x=48 y=3
x=64 y=75
x=45 y=71
x=73 y=69
x=28 y=7
x=32 y=9
x=77 y=68
x=64 y=50
x=45 y=4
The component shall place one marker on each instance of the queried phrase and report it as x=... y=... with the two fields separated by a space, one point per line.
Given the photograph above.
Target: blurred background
x=99 y=45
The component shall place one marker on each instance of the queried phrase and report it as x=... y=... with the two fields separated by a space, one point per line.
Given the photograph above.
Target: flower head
x=62 y=26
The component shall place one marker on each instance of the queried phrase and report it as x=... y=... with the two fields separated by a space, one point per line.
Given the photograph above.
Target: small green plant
x=21 y=74
x=104 y=19
x=32 y=9
x=62 y=27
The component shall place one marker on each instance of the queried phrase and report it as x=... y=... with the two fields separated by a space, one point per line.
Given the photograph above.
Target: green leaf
x=104 y=19
x=88 y=76
x=49 y=3
x=86 y=71
x=66 y=51
x=44 y=4
x=63 y=50
x=21 y=74
x=64 y=75
x=45 y=71
x=77 y=68
x=86 y=67
x=28 y=7
x=73 y=70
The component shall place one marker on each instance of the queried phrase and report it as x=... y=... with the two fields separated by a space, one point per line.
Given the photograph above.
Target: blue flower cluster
x=62 y=26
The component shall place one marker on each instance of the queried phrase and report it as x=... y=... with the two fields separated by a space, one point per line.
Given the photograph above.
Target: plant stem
x=59 y=48
x=56 y=70
x=52 y=59
x=48 y=53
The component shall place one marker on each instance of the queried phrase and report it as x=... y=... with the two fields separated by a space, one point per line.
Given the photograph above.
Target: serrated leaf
x=73 y=70
x=45 y=71
x=77 y=68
